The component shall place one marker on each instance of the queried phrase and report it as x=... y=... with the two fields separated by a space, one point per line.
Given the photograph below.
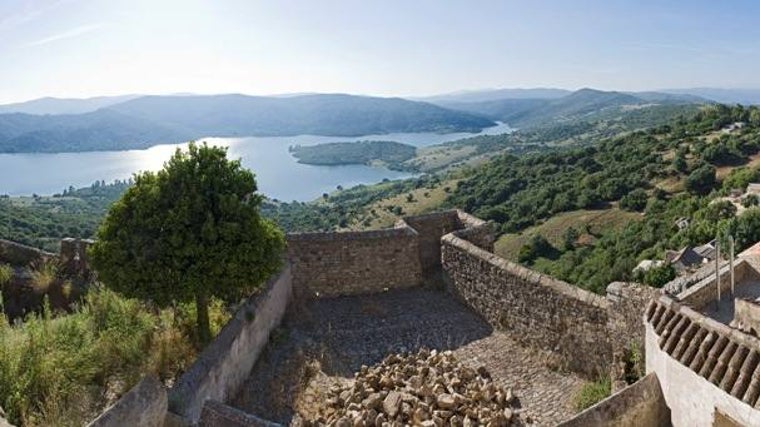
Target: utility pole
x=731 y=263
x=717 y=272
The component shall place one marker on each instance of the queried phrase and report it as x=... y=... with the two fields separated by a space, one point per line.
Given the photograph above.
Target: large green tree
x=188 y=232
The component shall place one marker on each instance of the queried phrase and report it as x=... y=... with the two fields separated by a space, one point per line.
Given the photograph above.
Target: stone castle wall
x=22 y=255
x=580 y=329
x=627 y=304
x=537 y=310
x=430 y=228
x=224 y=365
x=350 y=263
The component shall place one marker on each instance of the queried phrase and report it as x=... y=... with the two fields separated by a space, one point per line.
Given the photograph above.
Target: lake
x=278 y=174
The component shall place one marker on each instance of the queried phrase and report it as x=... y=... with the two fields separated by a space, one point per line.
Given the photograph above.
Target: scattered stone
x=429 y=388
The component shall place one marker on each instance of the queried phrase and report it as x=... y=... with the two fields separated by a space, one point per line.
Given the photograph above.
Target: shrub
x=6 y=273
x=592 y=393
x=44 y=276
x=635 y=200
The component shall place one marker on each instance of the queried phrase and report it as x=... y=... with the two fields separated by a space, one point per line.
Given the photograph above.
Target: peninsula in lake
x=385 y=153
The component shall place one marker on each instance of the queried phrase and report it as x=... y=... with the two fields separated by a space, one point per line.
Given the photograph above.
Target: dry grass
x=423 y=200
x=44 y=276
x=597 y=221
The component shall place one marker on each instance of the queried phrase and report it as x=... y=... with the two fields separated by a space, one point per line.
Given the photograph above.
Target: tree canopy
x=188 y=232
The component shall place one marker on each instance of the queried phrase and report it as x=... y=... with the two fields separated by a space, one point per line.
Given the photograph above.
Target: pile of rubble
x=424 y=389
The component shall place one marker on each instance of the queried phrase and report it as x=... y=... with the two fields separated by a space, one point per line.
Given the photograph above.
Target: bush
x=657 y=277
x=6 y=273
x=43 y=276
x=750 y=200
x=592 y=393
x=635 y=200
x=701 y=180
x=537 y=247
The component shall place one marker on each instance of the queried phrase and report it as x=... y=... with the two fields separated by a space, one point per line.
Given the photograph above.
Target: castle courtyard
x=324 y=342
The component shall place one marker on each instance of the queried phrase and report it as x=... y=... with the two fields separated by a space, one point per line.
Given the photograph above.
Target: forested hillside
x=665 y=173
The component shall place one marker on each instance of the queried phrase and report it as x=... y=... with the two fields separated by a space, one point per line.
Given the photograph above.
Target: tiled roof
x=725 y=357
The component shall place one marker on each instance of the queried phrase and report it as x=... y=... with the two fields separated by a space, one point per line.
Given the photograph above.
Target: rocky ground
x=426 y=389
x=321 y=346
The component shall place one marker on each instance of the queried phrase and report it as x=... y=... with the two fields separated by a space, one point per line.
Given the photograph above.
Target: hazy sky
x=78 y=48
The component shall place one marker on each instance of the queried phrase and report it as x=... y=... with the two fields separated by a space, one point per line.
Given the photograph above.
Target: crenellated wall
x=430 y=228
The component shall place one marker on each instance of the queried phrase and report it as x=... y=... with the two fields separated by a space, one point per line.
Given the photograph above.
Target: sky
x=83 y=48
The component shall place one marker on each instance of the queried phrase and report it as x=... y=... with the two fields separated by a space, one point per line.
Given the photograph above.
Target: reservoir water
x=278 y=174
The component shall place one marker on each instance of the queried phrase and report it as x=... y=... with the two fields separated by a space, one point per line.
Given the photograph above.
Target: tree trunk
x=204 y=330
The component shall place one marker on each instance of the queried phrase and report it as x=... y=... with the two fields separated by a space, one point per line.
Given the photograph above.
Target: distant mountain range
x=149 y=120
x=64 y=105
x=484 y=95
x=135 y=121
x=724 y=96
x=526 y=112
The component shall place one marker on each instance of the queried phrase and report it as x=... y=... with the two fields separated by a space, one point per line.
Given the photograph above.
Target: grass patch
x=384 y=213
x=587 y=222
x=592 y=393
x=64 y=369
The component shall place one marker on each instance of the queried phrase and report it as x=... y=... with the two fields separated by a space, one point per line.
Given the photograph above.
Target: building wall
x=705 y=291
x=747 y=315
x=349 y=263
x=640 y=404
x=226 y=363
x=692 y=399
x=537 y=310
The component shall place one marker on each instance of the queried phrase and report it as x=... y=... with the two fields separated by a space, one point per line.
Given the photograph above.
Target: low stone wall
x=226 y=363
x=21 y=255
x=350 y=263
x=144 y=405
x=217 y=414
x=537 y=310
x=640 y=404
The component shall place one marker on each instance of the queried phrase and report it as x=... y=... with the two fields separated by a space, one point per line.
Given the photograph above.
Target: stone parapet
x=144 y=405
x=535 y=309
x=226 y=362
